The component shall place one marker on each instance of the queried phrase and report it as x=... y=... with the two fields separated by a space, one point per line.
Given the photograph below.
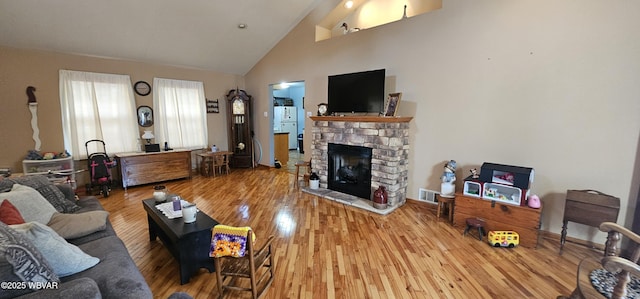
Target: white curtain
x=180 y=113
x=97 y=106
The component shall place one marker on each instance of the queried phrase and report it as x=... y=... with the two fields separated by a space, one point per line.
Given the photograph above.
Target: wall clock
x=142 y=88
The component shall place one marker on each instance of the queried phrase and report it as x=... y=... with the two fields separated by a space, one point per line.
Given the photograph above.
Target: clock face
x=238 y=106
x=322 y=109
x=142 y=88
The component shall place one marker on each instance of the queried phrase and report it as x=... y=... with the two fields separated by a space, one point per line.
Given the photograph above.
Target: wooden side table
x=588 y=207
x=305 y=175
x=445 y=202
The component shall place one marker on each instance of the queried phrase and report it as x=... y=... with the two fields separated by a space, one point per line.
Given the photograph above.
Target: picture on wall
x=145 y=116
x=392 y=104
x=212 y=106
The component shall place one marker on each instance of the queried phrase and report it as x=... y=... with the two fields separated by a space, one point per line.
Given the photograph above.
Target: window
x=180 y=113
x=97 y=106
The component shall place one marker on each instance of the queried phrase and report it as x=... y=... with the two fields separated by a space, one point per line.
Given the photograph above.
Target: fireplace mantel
x=364 y=118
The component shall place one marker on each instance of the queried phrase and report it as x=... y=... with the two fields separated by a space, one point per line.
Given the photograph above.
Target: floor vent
x=427 y=195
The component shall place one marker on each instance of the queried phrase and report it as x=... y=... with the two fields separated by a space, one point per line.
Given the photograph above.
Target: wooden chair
x=205 y=162
x=221 y=162
x=256 y=266
x=611 y=262
x=305 y=175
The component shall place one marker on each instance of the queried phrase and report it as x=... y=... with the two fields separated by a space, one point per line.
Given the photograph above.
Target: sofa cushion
x=32 y=206
x=53 y=194
x=71 y=226
x=127 y=282
x=65 y=259
x=20 y=261
x=9 y=214
x=81 y=288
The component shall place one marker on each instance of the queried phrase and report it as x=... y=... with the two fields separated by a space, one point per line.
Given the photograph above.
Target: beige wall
x=551 y=85
x=22 y=68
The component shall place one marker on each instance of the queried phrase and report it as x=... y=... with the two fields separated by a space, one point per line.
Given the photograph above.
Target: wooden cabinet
x=281 y=147
x=497 y=216
x=146 y=168
x=588 y=207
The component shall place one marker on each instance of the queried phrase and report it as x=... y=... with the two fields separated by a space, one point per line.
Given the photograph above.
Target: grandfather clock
x=240 y=130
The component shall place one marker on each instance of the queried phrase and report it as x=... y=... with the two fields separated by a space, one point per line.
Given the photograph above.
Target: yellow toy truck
x=504 y=238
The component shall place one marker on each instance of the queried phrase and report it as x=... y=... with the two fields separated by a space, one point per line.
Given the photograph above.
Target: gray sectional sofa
x=114 y=276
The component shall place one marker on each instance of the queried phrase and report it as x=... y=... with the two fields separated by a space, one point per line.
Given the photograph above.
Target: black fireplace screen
x=350 y=169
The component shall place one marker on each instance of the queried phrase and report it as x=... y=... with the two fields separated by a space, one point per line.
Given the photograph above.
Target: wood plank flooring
x=325 y=249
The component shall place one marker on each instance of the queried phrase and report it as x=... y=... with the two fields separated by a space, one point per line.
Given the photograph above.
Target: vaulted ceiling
x=192 y=33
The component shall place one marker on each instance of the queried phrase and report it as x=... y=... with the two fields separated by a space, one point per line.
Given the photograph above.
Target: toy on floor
x=503 y=238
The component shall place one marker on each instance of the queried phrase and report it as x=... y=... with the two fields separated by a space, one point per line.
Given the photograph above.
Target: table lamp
x=148 y=136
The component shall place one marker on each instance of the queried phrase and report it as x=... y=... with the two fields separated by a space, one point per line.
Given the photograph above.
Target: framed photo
x=212 y=106
x=145 y=116
x=392 y=104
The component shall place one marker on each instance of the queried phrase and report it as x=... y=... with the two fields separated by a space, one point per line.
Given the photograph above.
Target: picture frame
x=212 y=106
x=392 y=104
x=145 y=116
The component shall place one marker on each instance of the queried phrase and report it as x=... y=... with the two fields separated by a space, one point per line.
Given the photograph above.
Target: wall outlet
x=426 y=195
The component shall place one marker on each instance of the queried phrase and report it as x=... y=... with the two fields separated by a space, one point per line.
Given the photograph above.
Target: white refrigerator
x=285 y=119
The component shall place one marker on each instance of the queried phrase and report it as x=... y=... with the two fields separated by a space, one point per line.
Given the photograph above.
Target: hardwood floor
x=325 y=249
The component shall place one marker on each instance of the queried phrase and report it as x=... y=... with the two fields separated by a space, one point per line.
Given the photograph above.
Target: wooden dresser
x=497 y=216
x=145 y=168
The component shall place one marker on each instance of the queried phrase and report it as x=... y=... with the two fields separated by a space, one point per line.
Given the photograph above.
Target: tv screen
x=356 y=92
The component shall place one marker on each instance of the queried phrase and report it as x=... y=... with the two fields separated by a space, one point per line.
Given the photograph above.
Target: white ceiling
x=189 y=33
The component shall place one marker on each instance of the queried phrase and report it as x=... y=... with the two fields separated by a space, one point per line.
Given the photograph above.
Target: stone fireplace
x=388 y=140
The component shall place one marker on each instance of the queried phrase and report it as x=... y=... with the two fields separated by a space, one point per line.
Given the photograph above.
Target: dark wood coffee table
x=189 y=243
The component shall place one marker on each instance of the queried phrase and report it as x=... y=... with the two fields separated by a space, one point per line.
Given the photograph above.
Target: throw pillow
x=9 y=214
x=71 y=226
x=20 y=261
x=5 y=185
x=32 y=206
x=65 y=259
x=42 y=184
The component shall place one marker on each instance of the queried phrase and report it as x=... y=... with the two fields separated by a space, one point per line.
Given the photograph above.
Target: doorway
x=288 y=117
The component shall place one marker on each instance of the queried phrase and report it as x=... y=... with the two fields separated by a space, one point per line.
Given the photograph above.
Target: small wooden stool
x=475 y=223
x=305 y=175
x=446 y=202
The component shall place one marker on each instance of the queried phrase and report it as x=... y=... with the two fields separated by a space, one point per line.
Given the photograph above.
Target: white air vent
x=427 y=195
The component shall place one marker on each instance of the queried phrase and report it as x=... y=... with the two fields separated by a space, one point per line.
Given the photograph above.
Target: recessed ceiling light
x=348 y=4
x=242 y=26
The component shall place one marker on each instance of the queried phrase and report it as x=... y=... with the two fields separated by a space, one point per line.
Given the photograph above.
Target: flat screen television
x=361 y=92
